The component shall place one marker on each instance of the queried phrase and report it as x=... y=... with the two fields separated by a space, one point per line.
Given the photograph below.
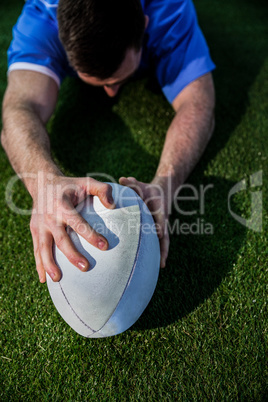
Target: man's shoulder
x=169 y=20
x=50 y=4
x=49 y=7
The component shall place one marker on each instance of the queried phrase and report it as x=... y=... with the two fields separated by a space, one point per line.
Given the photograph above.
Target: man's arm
x=190 y=130
x=28 y=103
x=186 y=139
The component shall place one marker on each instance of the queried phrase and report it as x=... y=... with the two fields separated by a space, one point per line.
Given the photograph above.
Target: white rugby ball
x=111 y=296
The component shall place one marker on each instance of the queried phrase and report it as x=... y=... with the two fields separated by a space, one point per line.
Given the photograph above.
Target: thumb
x=133 y=183
x=127 y=180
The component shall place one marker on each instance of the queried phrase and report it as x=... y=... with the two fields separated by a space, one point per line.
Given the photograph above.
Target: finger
x=40 y=269
x=160 y=223
x=39 y=266
x=82 y=227
x=163 y=235
x=46 y=254
x=164 y=247
x=127 y=179
x=133 y=183
x=67 y=247
x=101 y=190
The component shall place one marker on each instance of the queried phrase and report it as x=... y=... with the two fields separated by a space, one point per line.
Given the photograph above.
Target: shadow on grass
x=199 y=260
x=87 y=134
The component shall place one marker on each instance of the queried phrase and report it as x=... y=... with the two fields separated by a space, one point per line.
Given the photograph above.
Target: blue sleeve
x=36 y=45
x=177 y=46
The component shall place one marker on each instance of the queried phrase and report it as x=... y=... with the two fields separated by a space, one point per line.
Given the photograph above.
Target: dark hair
x=97 y=33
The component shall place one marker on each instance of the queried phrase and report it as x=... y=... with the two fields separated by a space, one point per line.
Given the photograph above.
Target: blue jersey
x=174 y=45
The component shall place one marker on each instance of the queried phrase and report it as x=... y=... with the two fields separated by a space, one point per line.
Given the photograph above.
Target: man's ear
x=146 y=21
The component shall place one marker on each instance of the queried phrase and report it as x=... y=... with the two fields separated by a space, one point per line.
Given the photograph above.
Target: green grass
x=204 y=334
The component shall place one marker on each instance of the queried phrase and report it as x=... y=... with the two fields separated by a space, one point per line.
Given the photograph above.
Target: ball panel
x=65 y=310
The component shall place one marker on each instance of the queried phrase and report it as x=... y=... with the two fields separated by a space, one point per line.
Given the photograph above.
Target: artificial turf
x=204 y=334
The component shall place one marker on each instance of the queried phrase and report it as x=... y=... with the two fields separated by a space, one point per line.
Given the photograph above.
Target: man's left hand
x=155 y=197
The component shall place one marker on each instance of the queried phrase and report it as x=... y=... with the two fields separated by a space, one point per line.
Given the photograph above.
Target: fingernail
x=52 y=275
x=81 y=265
x=101 y=244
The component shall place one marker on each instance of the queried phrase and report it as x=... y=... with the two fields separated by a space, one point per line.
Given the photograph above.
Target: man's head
x=102 y=38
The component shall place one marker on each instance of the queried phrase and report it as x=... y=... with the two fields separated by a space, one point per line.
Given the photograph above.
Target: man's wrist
x=168 y=179
x=43 y=176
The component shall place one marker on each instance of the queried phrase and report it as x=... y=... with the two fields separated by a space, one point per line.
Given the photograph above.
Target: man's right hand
x=53 y=210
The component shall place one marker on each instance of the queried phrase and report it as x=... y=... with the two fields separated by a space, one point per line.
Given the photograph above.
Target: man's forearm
x=28 y=103
x=187 y=137
x=186 y=140
x=26 y=142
